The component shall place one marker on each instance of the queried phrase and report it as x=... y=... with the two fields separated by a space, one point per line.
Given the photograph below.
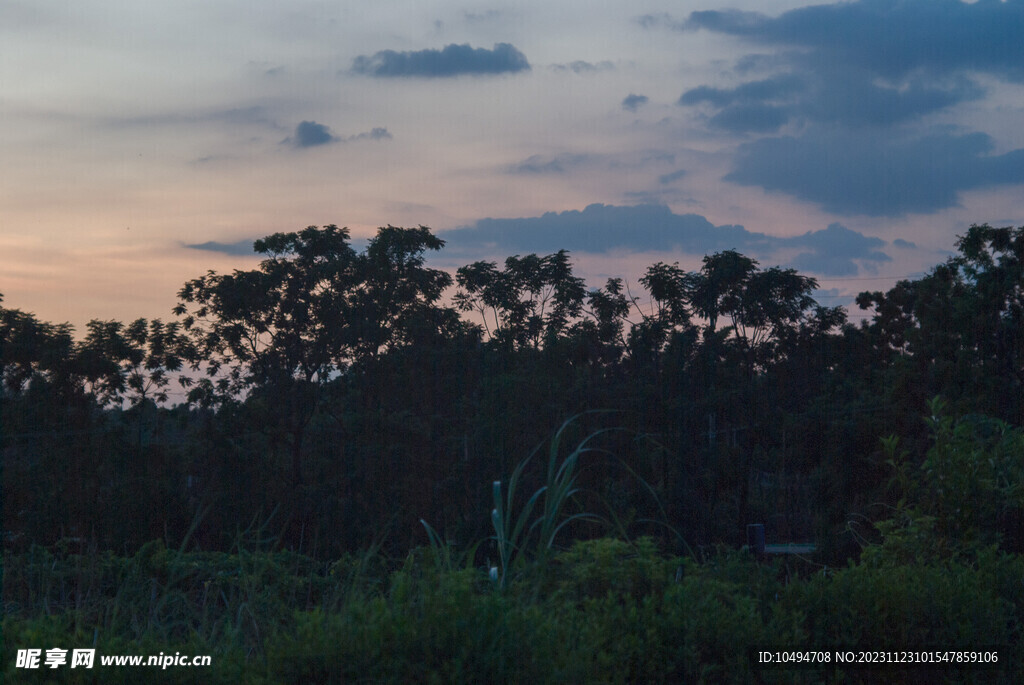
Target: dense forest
x=337 y=438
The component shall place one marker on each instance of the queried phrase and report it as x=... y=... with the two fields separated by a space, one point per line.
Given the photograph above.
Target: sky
x=143 y=144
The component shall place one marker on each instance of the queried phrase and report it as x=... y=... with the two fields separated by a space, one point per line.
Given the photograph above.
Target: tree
x=130 y=362
x=716 y=289
x=531 y=301
x=671 y=291
x=771 y=304
x=960 y=329
x=32 y=351
x=312 y=308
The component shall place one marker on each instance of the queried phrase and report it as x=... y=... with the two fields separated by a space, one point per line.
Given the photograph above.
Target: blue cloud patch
x=311 y=134
x=861 y=173
x=600 y=228
x=771 y=89
x=242 y=248
x=857 y=82
x=834 y=251
x=632 y=102
x=377 y=133
x=665 y=179
x=452 y=60
x=890 y=39
x=752 y=118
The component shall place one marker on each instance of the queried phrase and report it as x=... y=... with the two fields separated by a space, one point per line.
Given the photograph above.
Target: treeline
x=334 y=398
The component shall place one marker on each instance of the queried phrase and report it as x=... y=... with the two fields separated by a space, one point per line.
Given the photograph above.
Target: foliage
x=967 y=494
x=341 y=394
x=604 y=610
x=312 y=308
x=960 y=329
x=513 y=531
x=532 y=300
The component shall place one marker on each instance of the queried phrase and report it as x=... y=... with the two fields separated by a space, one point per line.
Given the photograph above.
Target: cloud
x=853 y=83
x=632 y=101
x=660 y=20
x=377 y=133
x=860 y=173
x=581 y=67
x=311 y=134
x=745 y=108
x=845 y=95
x=553 y=164
x=870 y=62
x=764 y=90
x=890 y=39
x=600 y=228
x=833 y=251
x=242 y=248
x=674 y=176
x=753 y=118
x=452 y=60
x=900 y=242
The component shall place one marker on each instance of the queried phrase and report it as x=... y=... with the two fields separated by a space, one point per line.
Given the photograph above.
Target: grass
x=554 y=610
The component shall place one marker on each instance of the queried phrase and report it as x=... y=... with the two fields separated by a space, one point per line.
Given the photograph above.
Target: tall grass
x=518 y=533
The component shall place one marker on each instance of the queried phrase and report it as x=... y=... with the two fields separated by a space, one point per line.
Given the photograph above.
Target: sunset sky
x=144 y=143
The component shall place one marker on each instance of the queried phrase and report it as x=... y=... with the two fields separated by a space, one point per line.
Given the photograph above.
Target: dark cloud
x=891 y=39
x=674 y=176
x=872 y=62
x=600 y=228
x=746 y=108
x=855 y=99
x=766 y=90
x=452 y=60
x=377 y=133
x=855 y=81
x=834 y=251
x=581 y=67
x=848 y=96
x=549 y=164
x=633 y=101
x=900 y=242
x=752 y=118
x=853 y=173
x=242 y=248
x=311 y=134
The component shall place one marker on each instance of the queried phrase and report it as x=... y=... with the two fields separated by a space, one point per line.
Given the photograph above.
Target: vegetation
x=346 y=490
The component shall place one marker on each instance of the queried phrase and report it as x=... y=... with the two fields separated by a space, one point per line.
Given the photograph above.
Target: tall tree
x=312 y=308
x=531 y=301
x=32 y=350
x=130 y=363
x=959 y=330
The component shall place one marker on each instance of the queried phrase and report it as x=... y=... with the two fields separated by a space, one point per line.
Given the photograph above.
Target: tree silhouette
x=311 y=309
x=531 y=301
